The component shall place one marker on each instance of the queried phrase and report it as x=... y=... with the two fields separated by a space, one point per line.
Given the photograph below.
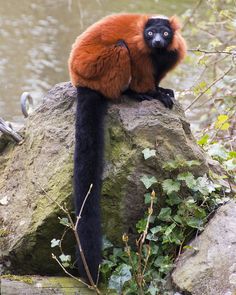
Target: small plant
x=162 y=233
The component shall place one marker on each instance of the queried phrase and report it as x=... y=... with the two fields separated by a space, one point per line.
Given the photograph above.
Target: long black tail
x=88 y=167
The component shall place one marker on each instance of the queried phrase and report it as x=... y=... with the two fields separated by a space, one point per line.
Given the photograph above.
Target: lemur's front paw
x=166 y=100
x=166 y=91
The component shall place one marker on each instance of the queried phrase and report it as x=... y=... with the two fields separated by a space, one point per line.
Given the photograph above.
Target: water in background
x=36 y=37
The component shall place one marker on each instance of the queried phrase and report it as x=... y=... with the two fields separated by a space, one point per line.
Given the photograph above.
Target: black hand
x=166 y=100
x=166 y=91
x=137 y=96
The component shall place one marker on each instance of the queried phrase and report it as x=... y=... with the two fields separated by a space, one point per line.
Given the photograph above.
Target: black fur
x=163 y=60
x=88 y=167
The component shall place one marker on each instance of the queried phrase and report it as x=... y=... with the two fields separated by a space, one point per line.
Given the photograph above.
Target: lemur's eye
x=150 y=33
x=165 y=34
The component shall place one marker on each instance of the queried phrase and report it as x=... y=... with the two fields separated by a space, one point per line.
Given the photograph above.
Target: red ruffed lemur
x=123 y=53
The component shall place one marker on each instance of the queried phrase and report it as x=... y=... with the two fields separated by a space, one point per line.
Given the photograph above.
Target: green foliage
x=188 y=201
x=55 y=243
x=147 y=153
x=148 y=181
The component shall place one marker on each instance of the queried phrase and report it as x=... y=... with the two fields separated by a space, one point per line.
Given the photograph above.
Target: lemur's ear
x=175 y=23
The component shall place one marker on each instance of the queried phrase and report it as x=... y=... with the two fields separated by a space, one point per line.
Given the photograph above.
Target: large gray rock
x=43 y=166
x=210 y=269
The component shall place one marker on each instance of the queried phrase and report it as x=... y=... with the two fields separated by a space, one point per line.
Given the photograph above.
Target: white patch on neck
x=159 y=16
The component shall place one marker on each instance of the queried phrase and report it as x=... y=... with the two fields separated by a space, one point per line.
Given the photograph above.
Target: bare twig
x=206 y=89
x=211 y=51
x=69 y=274
x=82 y=207
x=74 y=228
x=140 y=243
x=192 y=13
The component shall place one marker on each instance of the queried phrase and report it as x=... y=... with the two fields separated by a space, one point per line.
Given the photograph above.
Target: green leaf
x=165 y=214
x=217 y=150
x=147 y=199
x=200 y=87
x=203 y=140
x=193 y=163
x=147 y=153
x=64 y=221
x=232 y=154
x=195 y=223
x=169 y=186
x=152 y=237
x=148 y=181
x=169 y=229
x=155 y=229
x=171 y=165
x=178 y=219
x=188 y=178
x=121 y=275
x=65 y=258
x=106 y=244
x=173 y=199
x=222 y=123
x=230 y=164
x=141 y=225
x=55 y=243
x=204 y=185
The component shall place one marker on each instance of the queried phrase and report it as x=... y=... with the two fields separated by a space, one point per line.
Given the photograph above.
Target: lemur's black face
x=158 y=33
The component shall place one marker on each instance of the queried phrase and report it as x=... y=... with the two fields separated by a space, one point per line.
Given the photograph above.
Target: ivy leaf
x=192 y=163
x=65 y=258
x=169 y=229
x=169 y=186
x=171 y=165
x=152 y=237
x=147 y=153
x=55 y=243
x=232 y=154
x=173 y=199
x=200 y=87
x=141 y=225
x=106 y=244
x=155 y=229
x=165 y=214
x=153 y=290
x=178 y=219
x=121 y=275
x=217 y=150
x=230 y=164
x=203 y=140
x=188 y=178
x=195 y=223
x=148 y=181
x=64 y=221
x=204 y=185
x=222 y=123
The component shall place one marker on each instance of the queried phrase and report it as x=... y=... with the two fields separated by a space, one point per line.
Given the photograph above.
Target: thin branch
x=69 y=274
x=82 y=207
x=211 y=51
x=74 y=228
x=192 y=13
x=212 y=84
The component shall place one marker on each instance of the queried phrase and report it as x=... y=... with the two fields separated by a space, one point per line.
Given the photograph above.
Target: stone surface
x=39 y=171
x=16 y=285
x=210 y=269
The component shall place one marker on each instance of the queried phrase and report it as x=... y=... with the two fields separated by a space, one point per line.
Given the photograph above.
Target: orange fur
x=98 y=63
